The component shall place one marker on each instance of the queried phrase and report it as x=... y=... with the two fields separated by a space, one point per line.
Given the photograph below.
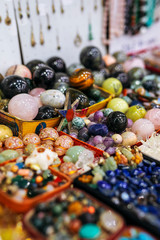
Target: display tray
x=20 y=127
x=95 y=107
x=131 y=232
x=81 y=198
x=27 y=203
x=130 y=216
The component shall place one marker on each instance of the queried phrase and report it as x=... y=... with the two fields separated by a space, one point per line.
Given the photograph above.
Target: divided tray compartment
x=28 y=203
x=39 y=236
x=130 y=216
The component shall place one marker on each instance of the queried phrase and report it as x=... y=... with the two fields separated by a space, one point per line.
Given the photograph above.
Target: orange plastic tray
x=40 y=236
x=26 y=204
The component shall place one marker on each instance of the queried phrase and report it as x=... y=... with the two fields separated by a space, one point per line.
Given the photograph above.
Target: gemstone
x=153 y=115
x=143 y=128
x=78 y=123
x=98 y=129
x=53 y=98
x=73 y=153
x=57 y=64
x=89 y=231
x=118 y=104
x=117 y=122
x=91 y=57
x=113 y=85
x=13 y=85
x=26 y=106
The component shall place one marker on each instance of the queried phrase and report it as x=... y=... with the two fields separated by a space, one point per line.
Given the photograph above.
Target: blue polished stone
x=142 y=208
x=126 y=173
x=121 y=184
x=98 y=129
x=20 y=165
x=136 y=172
x=143 y=185
x=146 y=162
x=110 y=173
x=113 y=180
x=104 y=188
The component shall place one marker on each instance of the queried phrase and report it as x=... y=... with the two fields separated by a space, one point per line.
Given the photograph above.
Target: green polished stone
x=107 y=111
x=57 y=210
x=2 y=158
x=94 y=94
x=9 y=154
x=73 y=153
x=89 y=231
x=78 y=123
x=34 y=192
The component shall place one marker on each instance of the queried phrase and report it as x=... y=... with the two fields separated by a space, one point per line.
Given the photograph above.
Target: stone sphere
x=143 y=128
x=44 y=77
x=19 y=70
x=118 y=104
x=13 y=85
x=57 y=64
x=113 y=85
x=153 y=115
x=91 y=57
x=34 y=64
x=23 y=106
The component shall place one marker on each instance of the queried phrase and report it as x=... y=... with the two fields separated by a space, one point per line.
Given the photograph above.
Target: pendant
x=62 y=9
x=7 y=19
x=41 y=36
x=82 y=7
x=20 y=10
x=58 y=45
x=37 y=7
x=77 y=40
x=90 y=35
x=33 y=42
x=53 y=7
x=48 y=22
x=95 y=5
x=28 y=10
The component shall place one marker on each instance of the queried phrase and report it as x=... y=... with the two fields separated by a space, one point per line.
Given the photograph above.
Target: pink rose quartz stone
x=23 y=106
x=133 y=62
x=38 y=100
x=143 y=128
x=36 y=92
x=153 y=115
x=19 y=70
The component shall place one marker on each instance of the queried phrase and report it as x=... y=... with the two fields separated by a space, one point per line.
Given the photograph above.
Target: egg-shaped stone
x=143 y=128
x=53 y=98
x=154 y=116
x=128 y=138
x=23 y=106
x=5 y=132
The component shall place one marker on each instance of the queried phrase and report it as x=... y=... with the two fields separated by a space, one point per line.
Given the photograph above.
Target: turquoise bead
x=73 y=153
x=89 y=231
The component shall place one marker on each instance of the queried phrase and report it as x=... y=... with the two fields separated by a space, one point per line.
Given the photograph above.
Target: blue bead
x=135 y=172
x=146 y=162
x=20 y=165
